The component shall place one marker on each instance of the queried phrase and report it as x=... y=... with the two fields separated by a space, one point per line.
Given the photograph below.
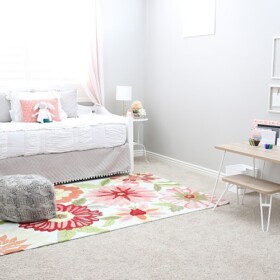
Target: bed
x=74 y=149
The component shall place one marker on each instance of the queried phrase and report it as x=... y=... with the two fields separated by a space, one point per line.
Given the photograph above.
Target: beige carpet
x=225 y=244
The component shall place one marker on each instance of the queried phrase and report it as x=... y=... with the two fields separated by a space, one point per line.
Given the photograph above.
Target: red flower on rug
x=137 y=212
x=135 y=178
x=67 y=218
x=185 y=197
x=120 y=195
x=65 y=194
x=12 y=245
x=143 y=212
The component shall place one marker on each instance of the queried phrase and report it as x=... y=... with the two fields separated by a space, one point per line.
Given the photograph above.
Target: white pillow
x=69 y=102
x=82 y=109
x=5 y=108
x=15 y=98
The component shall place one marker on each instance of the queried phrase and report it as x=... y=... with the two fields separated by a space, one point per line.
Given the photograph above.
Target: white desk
x=259 y=185
x=139 y=128
x=245 y=149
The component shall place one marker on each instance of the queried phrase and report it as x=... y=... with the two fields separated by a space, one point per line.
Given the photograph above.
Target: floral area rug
x=97 y=206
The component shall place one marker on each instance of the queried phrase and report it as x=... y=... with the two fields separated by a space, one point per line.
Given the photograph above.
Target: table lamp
x=123 y=93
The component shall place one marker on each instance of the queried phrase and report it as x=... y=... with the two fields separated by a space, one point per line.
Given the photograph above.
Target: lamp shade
x=123 y=93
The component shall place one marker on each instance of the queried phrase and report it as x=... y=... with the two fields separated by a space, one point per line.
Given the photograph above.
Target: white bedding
x=74 y=134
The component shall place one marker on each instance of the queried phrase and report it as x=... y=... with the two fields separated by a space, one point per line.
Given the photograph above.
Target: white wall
x=124 y=37
x=207 y=90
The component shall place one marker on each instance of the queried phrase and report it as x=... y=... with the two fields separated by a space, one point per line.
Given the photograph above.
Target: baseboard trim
x=190 y=166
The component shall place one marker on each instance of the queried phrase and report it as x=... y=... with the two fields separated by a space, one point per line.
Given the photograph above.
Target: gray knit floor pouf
x=26 y=198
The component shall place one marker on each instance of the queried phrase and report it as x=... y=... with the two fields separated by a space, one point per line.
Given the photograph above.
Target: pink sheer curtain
x=94 y=83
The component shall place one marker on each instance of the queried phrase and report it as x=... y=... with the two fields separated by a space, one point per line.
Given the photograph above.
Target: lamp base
x=124 y=109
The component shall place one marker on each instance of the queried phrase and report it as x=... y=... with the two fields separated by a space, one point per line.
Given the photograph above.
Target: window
x=43 y=41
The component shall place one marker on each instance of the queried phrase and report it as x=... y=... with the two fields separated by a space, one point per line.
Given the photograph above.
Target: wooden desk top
x=257 y=152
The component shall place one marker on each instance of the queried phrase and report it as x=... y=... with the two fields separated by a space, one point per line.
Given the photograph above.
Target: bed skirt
x=71 y=166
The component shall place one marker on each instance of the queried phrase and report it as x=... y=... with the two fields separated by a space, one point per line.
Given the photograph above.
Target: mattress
x=90 y=131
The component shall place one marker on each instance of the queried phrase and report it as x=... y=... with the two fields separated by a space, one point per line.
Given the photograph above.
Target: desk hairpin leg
x=237 y=193
x=218 y=176
x=243 y=195
x=263 y=169
x=266 y=202
x=223 y=193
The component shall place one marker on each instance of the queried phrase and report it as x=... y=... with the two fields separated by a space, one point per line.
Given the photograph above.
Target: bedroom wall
x=207 y=90
x=124 y=37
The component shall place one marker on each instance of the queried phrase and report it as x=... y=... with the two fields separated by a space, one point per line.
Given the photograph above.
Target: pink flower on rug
x=142 y=213
x=185 y=197
x=11 y=245
x=120 y=195
x=65 y=194
x=67 y=218
x=135 y=178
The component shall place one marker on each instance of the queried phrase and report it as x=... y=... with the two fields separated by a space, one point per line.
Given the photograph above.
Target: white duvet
x=74 y=134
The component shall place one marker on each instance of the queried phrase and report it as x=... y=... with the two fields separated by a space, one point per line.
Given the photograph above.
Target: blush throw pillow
x=27 y=109
x=16 y=96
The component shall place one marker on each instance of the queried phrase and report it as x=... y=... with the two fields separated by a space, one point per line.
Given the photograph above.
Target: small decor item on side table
x=137 y=109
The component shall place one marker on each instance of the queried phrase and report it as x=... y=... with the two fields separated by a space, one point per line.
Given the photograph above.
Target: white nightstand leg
x=138 y=142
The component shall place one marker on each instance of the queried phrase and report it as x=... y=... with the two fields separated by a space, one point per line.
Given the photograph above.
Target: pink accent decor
x=27 y=109
x=265 y=122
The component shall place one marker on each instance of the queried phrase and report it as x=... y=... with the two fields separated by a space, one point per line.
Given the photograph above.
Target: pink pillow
x=27 y=109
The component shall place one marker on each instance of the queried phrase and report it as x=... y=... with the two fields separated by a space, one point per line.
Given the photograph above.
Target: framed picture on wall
x=276 y=58
x=199 y=17
x=274 y=99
